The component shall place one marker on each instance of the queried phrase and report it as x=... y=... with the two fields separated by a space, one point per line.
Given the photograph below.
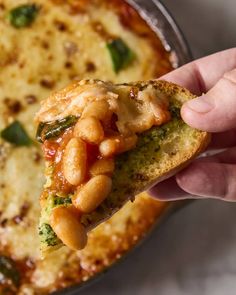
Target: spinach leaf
x=23 y=15
x=9 y=271
x=120 y=53
x=54 y=129
x=16 y=134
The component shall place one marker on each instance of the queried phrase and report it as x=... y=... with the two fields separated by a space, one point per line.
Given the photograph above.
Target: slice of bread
x=160 y=153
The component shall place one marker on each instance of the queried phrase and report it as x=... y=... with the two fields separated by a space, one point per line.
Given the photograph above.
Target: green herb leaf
x=57 y=201
x=9 y=271
x=120 y=53
x=54 y=129
x=39 y=131
x=23 y=15
x=16 y=134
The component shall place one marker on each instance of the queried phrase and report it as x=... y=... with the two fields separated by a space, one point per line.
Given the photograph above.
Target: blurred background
x=194 y=252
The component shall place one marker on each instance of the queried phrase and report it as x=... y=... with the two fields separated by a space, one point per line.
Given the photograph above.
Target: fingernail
x=199 y=105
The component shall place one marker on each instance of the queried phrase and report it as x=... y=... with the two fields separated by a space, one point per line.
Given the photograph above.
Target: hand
x=212 y=176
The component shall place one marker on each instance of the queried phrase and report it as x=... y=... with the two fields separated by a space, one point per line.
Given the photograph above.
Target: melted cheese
x=134 y=115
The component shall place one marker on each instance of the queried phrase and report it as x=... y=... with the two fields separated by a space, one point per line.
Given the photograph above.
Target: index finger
x=201 y=75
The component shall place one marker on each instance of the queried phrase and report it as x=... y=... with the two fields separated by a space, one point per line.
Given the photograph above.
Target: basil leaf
x=121 y=54
x=54 y=129
x=23 y=15
x=16 y=134
x=9 y=271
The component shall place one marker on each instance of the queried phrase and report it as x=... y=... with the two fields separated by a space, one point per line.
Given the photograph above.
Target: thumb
x=216 y=110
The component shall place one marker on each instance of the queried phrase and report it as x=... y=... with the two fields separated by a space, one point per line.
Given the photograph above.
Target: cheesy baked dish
x=44 y=45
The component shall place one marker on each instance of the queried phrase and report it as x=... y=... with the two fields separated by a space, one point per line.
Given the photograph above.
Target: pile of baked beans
x=92 y=181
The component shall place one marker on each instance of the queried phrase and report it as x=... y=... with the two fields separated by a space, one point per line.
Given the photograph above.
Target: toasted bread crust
x=203 y=139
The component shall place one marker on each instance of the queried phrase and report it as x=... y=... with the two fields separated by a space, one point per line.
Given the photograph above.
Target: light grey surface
x=195 y=251
x=208 y=25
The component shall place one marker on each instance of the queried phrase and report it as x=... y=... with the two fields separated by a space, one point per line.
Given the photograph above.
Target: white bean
x=102 y=166
x=75 y=161
x=68 y=228
x=109 y=146
x=89 y=129
x=117 y=144
x=93 y=193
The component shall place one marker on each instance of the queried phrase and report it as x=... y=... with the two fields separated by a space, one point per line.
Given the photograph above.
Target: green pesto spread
x=46 y=233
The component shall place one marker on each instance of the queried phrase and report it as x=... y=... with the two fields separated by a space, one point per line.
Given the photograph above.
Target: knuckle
x=228 y=184
x=68 y=228
x=90 y=129
x=74 y=161
x=93 y=193
x=231 y=76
